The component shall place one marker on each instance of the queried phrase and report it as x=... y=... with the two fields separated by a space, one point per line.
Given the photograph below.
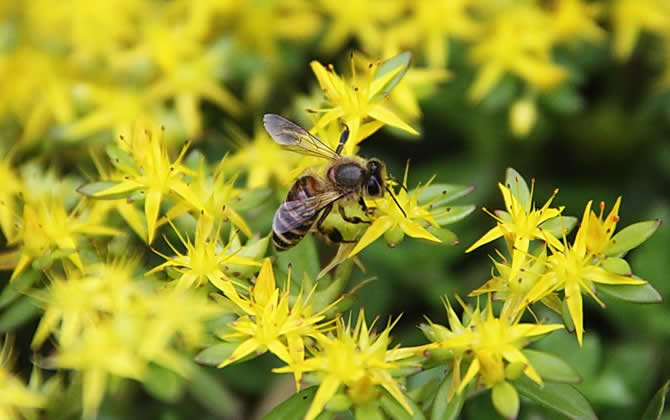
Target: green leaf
x=210 y=392
x=617 y=266
x=369 y=411
x=294 y=407
x=518 y=186
x=454 y=214
x=303 y=258
x=563 y=99
x=443 y=193
x=559 y=226
x=216 y=354
x=445 y=235
x=21 y=311
x=399 y=64
x=18 y=287
x=632 y=236
x=251 y=199
x=163 y=384
x=551 y=367
x=505 y=399
x=443 y=409
x=90 y=190
x=643 y=293
x=120 y=159
x=395 y=411
x=562 y=398
x=655 y=408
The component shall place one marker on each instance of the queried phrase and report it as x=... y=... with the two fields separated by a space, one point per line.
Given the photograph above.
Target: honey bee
x=311 y=196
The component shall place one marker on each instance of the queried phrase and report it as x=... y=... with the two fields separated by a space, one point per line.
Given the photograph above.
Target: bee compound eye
x=373 y=188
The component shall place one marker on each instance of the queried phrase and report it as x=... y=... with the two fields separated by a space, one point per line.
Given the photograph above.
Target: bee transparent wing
x=295 y=138
x=293 y=214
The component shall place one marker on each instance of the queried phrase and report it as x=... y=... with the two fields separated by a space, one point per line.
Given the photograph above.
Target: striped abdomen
x=297 y=214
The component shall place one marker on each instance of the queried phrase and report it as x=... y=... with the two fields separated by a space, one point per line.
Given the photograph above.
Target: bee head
x=374 y=187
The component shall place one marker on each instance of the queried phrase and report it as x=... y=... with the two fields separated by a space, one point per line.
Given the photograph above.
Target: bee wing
x=295 y=138
x=293 y=214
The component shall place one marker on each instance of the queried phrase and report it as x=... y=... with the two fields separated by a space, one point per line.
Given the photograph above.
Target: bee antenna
x=396 y=201
x=400 y=184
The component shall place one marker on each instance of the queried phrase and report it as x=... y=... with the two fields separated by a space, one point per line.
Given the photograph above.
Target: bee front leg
x=333 y=234
x=369 y=211
x=354 y=219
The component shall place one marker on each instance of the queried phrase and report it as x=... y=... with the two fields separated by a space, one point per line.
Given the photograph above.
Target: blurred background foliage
x=573 y=93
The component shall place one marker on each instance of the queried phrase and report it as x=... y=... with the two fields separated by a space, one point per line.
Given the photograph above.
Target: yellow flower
x=407 y=215
x=516 y=41
x=519 y=225
x=522 y=116
x=193 y=79
x=364 y=20
x=262 y=159
x=514 y=290
x=15 y=397
x=631 y=17
x=493 y=343
x=600 y=231
x=358 y=360
x=217 y=195
x=354 y=101
x=11 y=188
x=268 y=322
x=145 y=164
x=430 y=26
x=204 y=258
x=48 y=229
x=576 y=19
x=574 y=270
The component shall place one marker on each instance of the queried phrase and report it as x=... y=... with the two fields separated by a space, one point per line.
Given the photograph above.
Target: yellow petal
x=152 y=204
x=573 y=295
x=376 y=229
x=243 y=350
x=265 y=284
x=327 y=389
x=93 y=389
x=385 y=115
x=489 y=236
x=600 y=275
x=390 y=384
x=473 y=370
x=415 y=230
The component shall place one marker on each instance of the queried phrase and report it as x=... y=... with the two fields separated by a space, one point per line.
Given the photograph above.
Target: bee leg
x=324 y=214
x=335 y=236
x=369 y=211
x=354 y=219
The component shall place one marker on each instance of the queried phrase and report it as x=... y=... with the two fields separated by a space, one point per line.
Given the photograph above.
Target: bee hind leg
x=332 y=234
x=353 y=219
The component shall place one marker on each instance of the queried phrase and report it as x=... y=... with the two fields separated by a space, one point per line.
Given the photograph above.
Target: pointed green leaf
x=445 y=235
x=632 y=236
x=216 y=354
x=395 y=411
x=562 y=398
x=97 y=189
x=21 y=311
x=518 y=186
x=505 y=399
x=654 y=410
x=163 y=384
x=643 y=293
x=551 y=367
x=453 y=214
x=205 y=388
x=294 y=407
x=18 y=287
x=119 y=158
x=251 y=199
x=443 y=193
x=399 y=64
x=559 y=226
x=617 y=266
x=369 y=411
x=444 y=409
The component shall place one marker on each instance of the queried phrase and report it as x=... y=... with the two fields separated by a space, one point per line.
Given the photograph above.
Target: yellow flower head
x=364 y=96
x=15 y=397
x=520 y=224
x=404 y=214
x=600 y=231
x=267 y=320
x=357 y=359
x=493 y=343
x=204 y=258
x=11 y=188
x=574 y=270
